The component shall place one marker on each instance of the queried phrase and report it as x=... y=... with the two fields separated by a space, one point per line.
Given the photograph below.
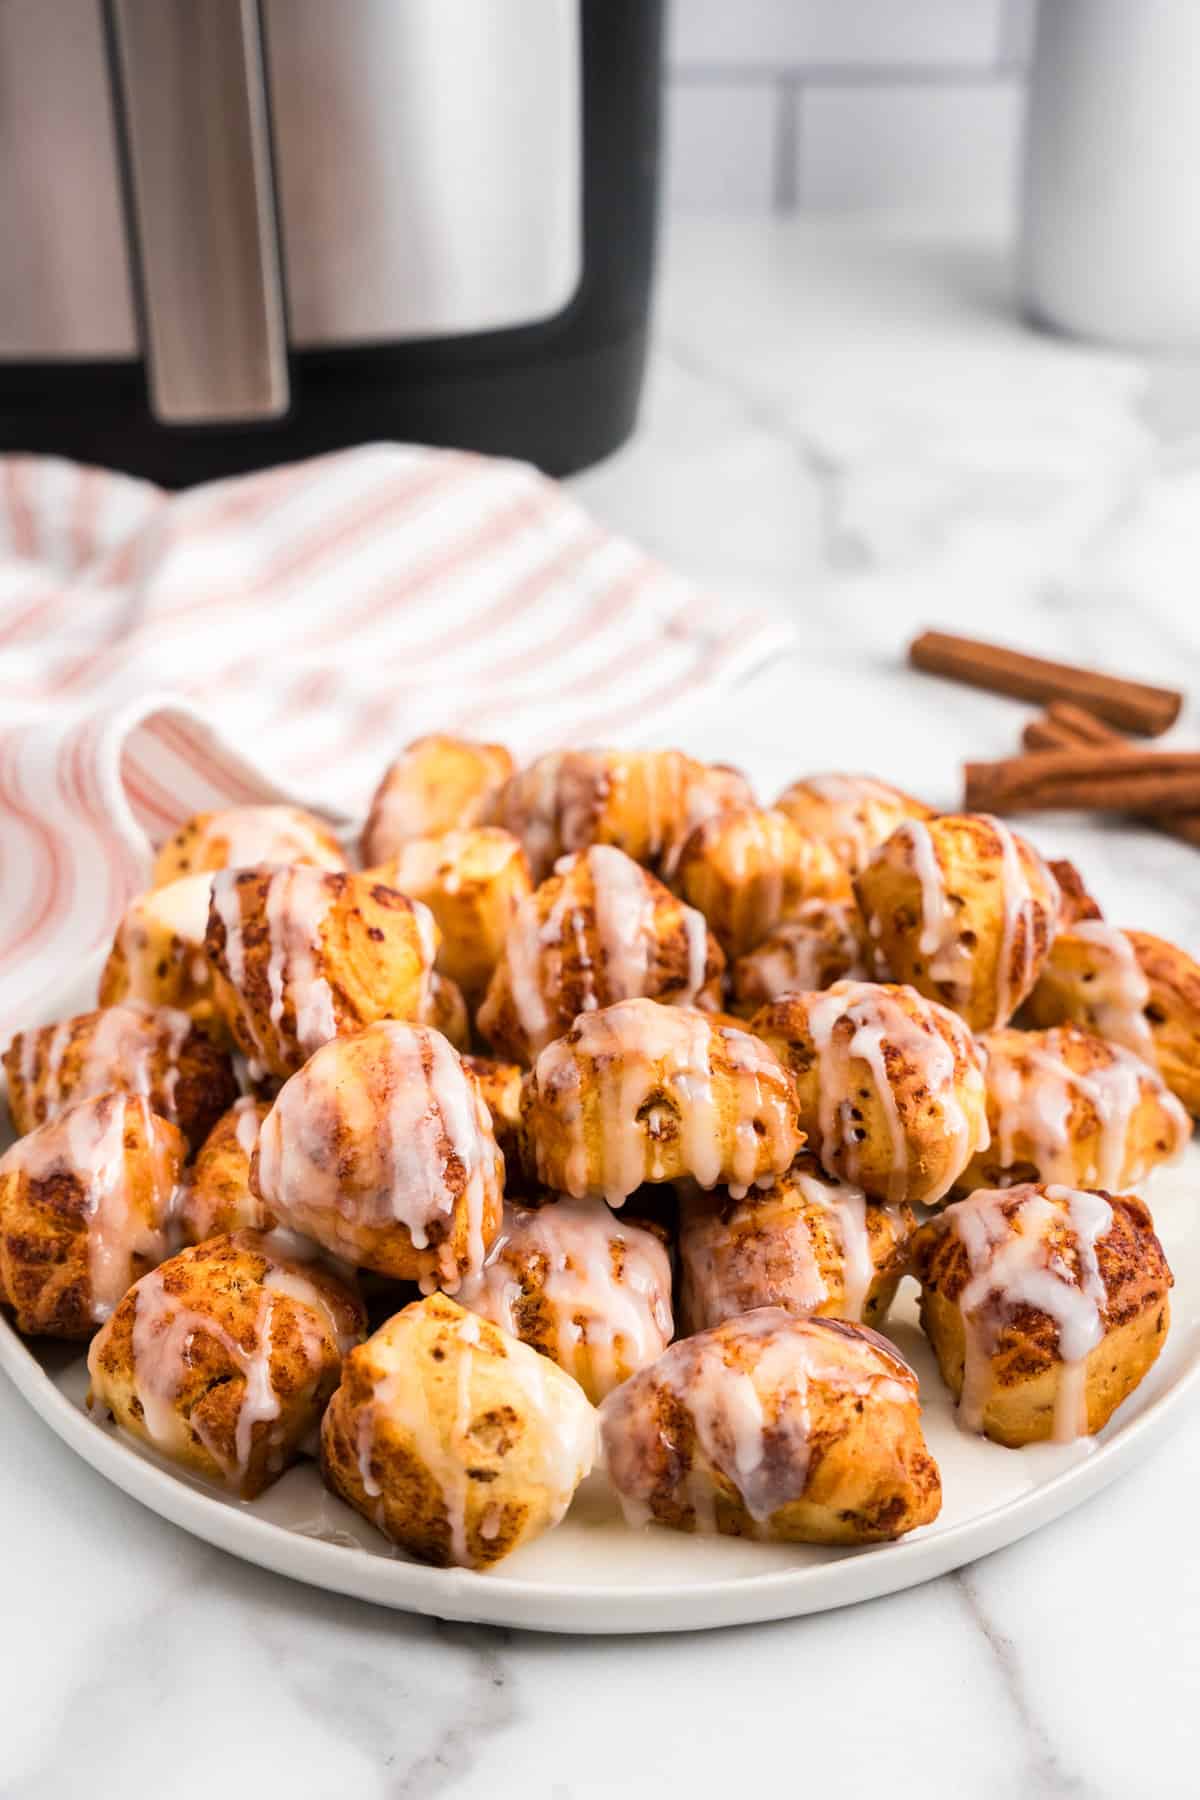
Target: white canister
x=1111 y=220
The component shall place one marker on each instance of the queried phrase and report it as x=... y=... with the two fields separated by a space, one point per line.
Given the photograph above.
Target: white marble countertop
x=847 y=424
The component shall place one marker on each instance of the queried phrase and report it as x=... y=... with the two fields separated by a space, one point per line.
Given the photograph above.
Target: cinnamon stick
x=1131 y=705
x=1094 y=778
x=1064 y=726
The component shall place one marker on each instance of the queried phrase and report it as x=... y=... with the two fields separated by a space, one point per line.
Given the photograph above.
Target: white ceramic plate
x=593 y=1574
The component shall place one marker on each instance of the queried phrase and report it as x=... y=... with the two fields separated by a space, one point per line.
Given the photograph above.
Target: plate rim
x=617 y=1608
x=493 y=1598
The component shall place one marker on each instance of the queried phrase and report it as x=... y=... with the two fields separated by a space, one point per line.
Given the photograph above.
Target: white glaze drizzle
x=1033 y=1090
x=164 y=1327
x=297 y=901
x=267 y=834
x=605 y=1323
x=750 y=1375
x=1005 y=1233
x=87 y=1142
x=879 y=1019
x=1117 y=990
x=795 y=956
x=1020 y=913
x=861 y=814
x=246 y=1123
x=132 y=1046
x=398 y=1164
x=562 y=1423
x=947 y=959
x=641 y=1048
x=624 y=907
x=761 y=1252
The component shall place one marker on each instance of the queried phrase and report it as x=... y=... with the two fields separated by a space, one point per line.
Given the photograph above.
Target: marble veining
x=848 y=425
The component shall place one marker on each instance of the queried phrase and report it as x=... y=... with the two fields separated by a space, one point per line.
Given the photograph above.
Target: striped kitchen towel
x=160 y=653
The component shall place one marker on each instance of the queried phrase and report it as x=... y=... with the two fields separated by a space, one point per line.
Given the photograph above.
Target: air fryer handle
x=194 y=123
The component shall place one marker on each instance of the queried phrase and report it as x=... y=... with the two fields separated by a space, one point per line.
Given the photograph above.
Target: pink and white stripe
x=158 y=651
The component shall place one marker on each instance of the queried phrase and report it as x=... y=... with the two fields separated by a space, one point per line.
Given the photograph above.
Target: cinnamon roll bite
x=154 y=1051
x=1064 y=1106
x=964 y=910
x=381 y=1150
x=825 y=942
x=1045 y=1305
x=157 y=956
x=800 y=1430
x=240 y=836
x=601 y=929
x=1076 y=902
x=216 y=1199
x=223 y=1358
x=808 y=1243
x=302 y=955
x=644 y=802
x=456 y=1440
x=85 y=1208
x=589 y=1290
x=472 y=882
x=445 y=1010
x=890 y=1085
x=749 y=868
x=440 y=783
x=645 y=1093
x=852 y=814
x=500 y=1088
x=1133 y=988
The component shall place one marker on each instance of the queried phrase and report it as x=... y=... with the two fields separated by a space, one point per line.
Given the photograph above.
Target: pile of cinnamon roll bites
x=594 y=1121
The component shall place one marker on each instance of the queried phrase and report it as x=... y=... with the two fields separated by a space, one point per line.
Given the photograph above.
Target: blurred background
x=785 y=106
x=239 y=232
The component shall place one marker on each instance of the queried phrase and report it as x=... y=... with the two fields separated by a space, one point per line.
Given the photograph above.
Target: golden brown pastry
x=302 y=955
x=158 y=951
x=589 y=1290
x=472 y=882
x=381 y=1150
x=223 y=1358
x=439 y=784
x=1133 y=988
x=825 y=942
x=601 y=929
x=215 y=1199
x=964 y=910
x=748 y=868
x=801 y=1430
x=1066 y=1106
x=642 y=1092
x=890 y=1085
x=446 y=1011
x=1045 y=1306
x=807 y=1243
x=456 y=1440
x=1077 y=903
x=155 y=1051
x=85 y=1208
x=646 y=802
x=853 y=814
x=244 y=835
x=500 y=1087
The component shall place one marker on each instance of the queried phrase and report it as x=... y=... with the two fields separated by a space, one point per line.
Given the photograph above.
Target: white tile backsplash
x=912 y=104
x=945 y=151
x=721 y=146
x=836 y=31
